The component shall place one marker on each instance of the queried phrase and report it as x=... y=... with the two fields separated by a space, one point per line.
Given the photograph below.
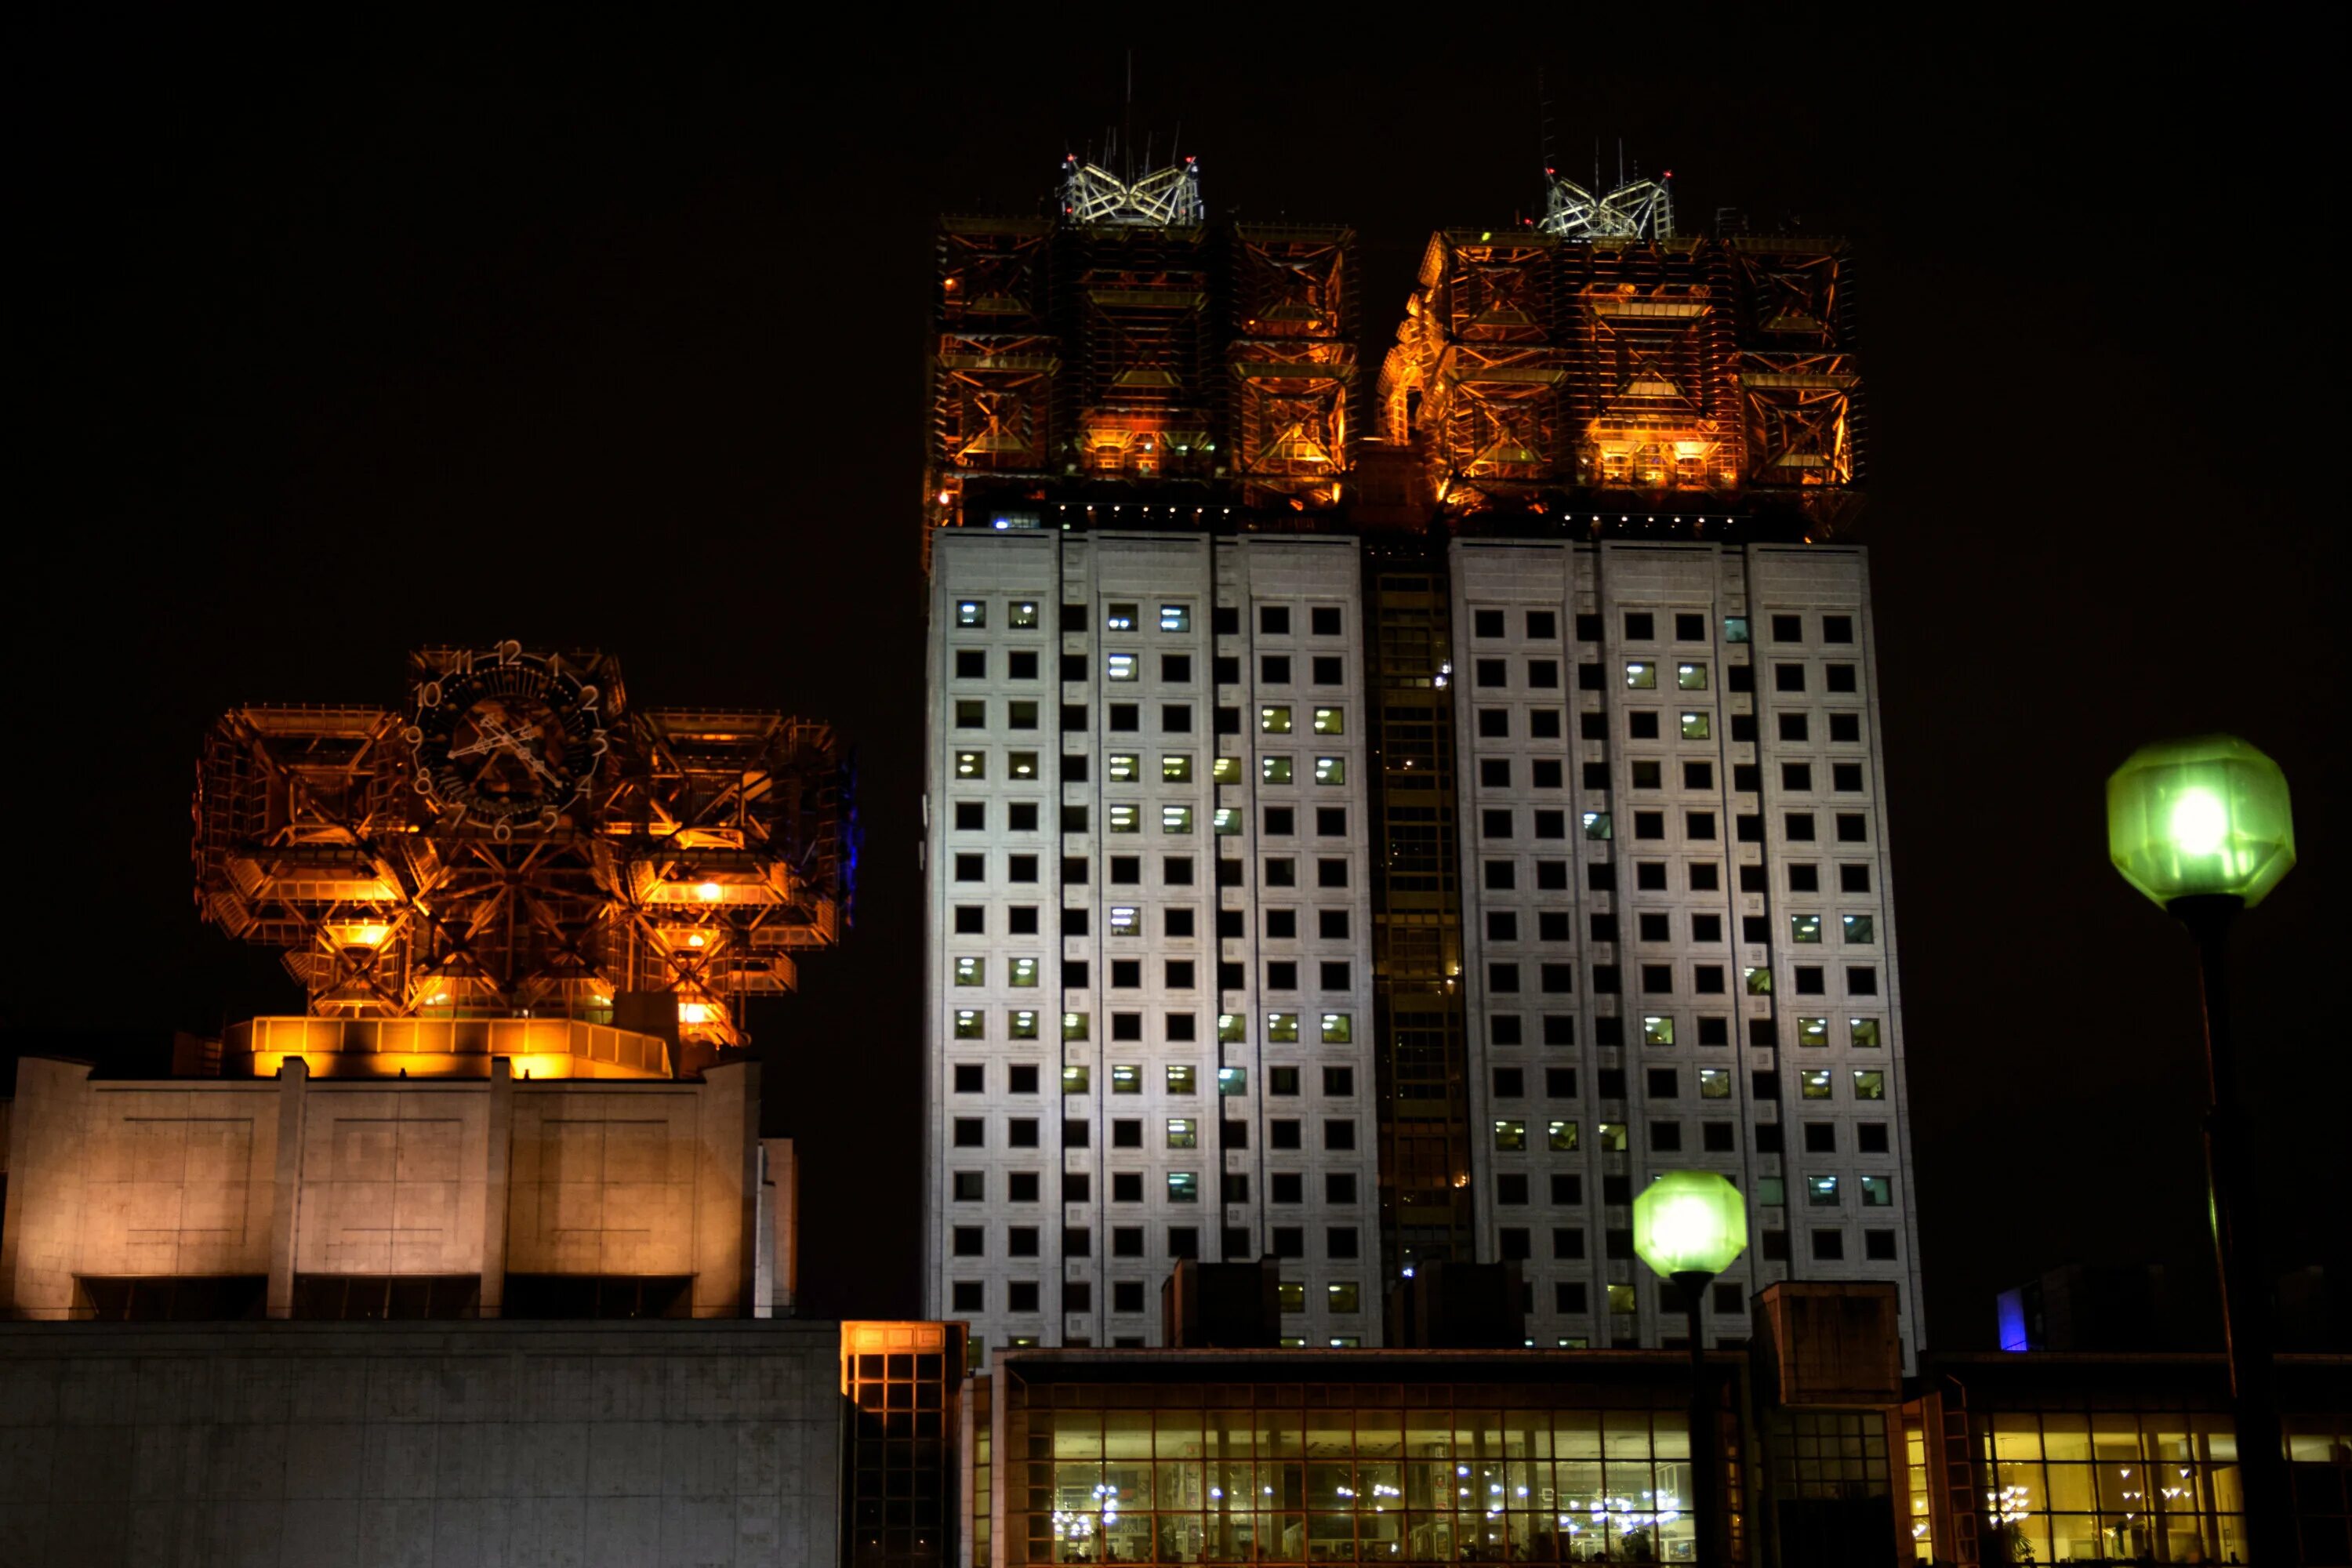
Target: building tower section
x=1130 y=352
x=1679 y=938
x=1148 y=1011
x=1635 y=371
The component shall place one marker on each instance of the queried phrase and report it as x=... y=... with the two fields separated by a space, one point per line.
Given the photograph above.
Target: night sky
x=326 y=347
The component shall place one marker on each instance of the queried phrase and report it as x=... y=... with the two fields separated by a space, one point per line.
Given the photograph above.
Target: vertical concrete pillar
x=780 y=1227
x=497 y=1156
x=286 y=1196
x=747 y=1163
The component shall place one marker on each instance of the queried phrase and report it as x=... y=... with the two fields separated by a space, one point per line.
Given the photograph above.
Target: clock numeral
x=500 y=831
x=413 y=736
x=509 y=651
x=598 y=744
x=429 y=694
x=588 y=696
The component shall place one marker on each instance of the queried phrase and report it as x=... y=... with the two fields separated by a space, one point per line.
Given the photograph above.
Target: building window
x=1690 y=677
x=1829 y=1245
x=1073 y=1026
x=1024 y=971
x=1182 y=1078
x=1273 y=720
x=1562 y=1137
x=1183 y=1132
x=1609 y=1136
x=1822 y=1191
x=1869 y=1083
x=1511 y=1137
x=1176 y=767
x=1175 y=617
x=1183 y=1186
x=970 y=1024
x=1120 y=618
x=1713 y=1083
x=1281 y=1028
x=1639 y=625
x=1175 y=819
x=1812 y=1031
x=1863 y=1033
x=1642 y=676
x=1813 y=1083
x=1021 y=1024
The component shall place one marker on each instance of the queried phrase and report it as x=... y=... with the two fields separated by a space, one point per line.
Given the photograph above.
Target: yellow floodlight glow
x=709 y=892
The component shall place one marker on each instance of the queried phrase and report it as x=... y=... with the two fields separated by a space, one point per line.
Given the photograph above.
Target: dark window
x=1511 y=1189
x=1340 y=1241
x=1331 y=873
x=1510 y=1083
x=1845 y=776
x=1274 y=669
x=971 y=816
x=1542 y=625
x=1862 y=982
x=1639 y=626
x=1787 y=678
x=1127 y=1134
x=1829 y=1245
x=1698 y=775
x=1592 y=726
x=1183 y=1241
x=1568 y=1191
x=1588 y=628
x=1837 y=628
x=1840 y=677
x=1513 y=1242
x=970 y=1241
x=1798 y=826
x=1551 y=876
x=1699 y=824
x=970 y=1132
x=1845 y=727
x=1274 y=620
x=1665 y=1137
x=1649 y=825
x=1559 y=1029
x=1878 y=1246
x=1127 y=973
x=1657 y=979
x=1339 y=1135
x=1126 y=1187
x=1225 y=620
x=1820 y=1137
x=1494 y=824
x=1281 y=821
x=1852 y=827
x=1647 y=776
x=1021 y=1132
x=1788 y=628
x=1282 y=1133
x=972 y=663
x=1808 y=981
x=1021 y=1241
x=1560 y=1083
x=1793 y=727
x=1492 y=672
x=1176 y=667
x=1288 y=1187
x=1229 y=720
x=971 y=920
x=1127 y=1241
x=1020 y=1188
x=1741 y=677
x=1282 y=974
x=1642 y=724
x=1329 y=669
x=1076 y=1134
x=1486 y=623
x=1796 y=776
x=1869 y=1137
x=1690 y=628
x=1226 y=669
x=1543 y=674
x=1335 y=975
x=1718 y=1137
x=971 y=868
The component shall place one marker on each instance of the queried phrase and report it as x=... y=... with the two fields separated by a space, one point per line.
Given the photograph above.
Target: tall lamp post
x=1690 y=1226
x=2202 y=827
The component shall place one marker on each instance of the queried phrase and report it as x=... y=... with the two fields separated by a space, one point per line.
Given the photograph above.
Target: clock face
x=507 y=739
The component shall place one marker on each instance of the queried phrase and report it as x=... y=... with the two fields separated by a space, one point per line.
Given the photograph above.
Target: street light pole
x=1689 y=1227
x=1706 y=1471
x=2237 y=1245
x=2204 y=827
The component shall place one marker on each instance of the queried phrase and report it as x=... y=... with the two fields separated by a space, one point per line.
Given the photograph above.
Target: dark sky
x=329 y=346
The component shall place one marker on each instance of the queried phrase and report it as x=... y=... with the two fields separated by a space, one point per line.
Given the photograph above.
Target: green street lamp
x=1690 y=1226
x=2202 y=827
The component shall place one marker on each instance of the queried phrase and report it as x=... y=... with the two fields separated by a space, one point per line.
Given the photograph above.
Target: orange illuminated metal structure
x=1633 y=372
x=1128 y=350
x=518 y=841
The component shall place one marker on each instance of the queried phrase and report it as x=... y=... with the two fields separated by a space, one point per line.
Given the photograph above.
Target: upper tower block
x=1128 y=352
x=1600 y=359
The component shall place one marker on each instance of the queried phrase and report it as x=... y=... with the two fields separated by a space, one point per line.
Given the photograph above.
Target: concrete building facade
x=1679 y=934
x=1145 y=839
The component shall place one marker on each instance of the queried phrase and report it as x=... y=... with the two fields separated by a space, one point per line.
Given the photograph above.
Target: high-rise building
x=1508 y=821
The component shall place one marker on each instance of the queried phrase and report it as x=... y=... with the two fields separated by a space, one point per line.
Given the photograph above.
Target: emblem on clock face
x=507 y=738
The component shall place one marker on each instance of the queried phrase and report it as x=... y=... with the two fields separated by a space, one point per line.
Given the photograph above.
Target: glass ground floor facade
x=1179 y=1465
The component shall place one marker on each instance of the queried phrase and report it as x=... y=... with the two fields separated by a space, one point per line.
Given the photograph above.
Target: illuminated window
x=1022 y=764
x=971 y=764
x=1805 y=928
x=1273 y=720
x=1758 y=982
x=971 y=713
x=1176 y=768
x=1124 y=817
x=1024 y=612
x=1233 y=1080
x=1180 y=1079
x=1183 y=1186
x=1281 y=1028
x=1599 y=824
x=1813 y=1083
x=1292 y=1296
x=969 y=1024
x=1024 y=1024
x=1863 y=1033
x=1339 y=1028
x=1121 y=666
x=1642 y=676
x=1713 y=1083
x=1696 y=727
x=1341 y=1296
x=1275 y=770
x=1175 y=617
x=971 y=971
x=1861 y=929
x=1330 y=770
x=1690 y=677
x=1125 y=920
x=1126 y=1079
x=1074 y=1080
x=1822 y=1191
x=1877 y=1192
x=1183 y=1132
x=1231 y=1029
x=1330 y=721
x=1734 y=628
x=971 y=612
x=1226 y=819
x=1073 y=1026
x=1657 y=1031
x=1563 y=1137
x=1024 y=971
x=1511 y=1137
x=1225 y=770
x=1175 y=819
x=1812 y=1031
x=1869 y=1083
x=1621 y=1297
x=1120 y=618
x=1611 y=1136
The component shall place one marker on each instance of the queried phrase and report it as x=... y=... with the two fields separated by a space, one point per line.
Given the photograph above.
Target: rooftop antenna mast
x=1126 y=120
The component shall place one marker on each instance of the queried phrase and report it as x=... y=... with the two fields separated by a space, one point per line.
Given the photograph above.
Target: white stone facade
x=1714 y=980
x=1112 y=717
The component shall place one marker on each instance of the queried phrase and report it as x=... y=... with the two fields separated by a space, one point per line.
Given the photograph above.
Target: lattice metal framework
x=1634 y=209
x=1532 y=367
x=1129 y=344
x=1164 y=198
x=501 y=846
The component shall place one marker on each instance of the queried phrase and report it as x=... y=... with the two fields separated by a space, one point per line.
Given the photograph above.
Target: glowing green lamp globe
x=1690 y=1222
x=2200 y=817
